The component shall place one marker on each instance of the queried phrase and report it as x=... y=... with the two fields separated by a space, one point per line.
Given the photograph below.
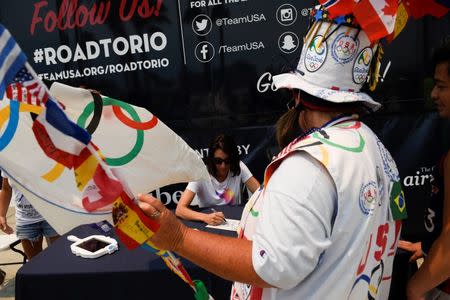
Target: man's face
x=441 y=90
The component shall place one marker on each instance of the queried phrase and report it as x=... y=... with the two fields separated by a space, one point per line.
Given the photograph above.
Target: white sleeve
x=295 y=223
x=245 y=172
x=193 y=186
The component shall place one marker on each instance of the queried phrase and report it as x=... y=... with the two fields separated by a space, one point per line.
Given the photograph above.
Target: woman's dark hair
x=227 y=145
x=442 y=54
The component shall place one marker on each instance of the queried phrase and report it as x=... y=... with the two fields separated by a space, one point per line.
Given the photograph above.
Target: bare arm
x=230 y=258
x=252 y=184
x=436 y=267
x=5 y=199
x=183 y=211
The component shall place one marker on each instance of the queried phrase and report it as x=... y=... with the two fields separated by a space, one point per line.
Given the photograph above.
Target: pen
x=224 y=220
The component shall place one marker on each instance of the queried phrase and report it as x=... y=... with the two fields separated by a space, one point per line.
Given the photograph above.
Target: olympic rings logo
x=11 y=113
x=313 y=66
x=96 y=108
x=344 y=51
x=360 y=78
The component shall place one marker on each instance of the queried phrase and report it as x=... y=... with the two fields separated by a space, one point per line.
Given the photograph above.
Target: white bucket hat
x=334 y=63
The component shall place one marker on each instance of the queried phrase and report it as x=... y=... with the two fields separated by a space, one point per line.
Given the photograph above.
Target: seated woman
x=226 y=173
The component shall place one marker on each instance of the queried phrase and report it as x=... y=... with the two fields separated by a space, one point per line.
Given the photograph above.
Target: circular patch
x=368 y=197
x=316 y=54
x=361 y=65
x=389 y=166
x=344 y=48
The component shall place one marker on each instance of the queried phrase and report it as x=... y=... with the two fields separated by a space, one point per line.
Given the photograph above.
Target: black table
x=137 y=274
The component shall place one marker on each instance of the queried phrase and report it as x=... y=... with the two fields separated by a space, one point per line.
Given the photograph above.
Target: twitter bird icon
x=201 y=24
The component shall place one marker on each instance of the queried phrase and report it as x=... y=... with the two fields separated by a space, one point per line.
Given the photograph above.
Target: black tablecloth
x=56 y=273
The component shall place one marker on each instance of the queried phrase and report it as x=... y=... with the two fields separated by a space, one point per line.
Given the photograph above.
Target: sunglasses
x=219 y=161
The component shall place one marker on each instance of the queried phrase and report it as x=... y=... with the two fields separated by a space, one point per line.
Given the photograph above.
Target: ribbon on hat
x=374 y=72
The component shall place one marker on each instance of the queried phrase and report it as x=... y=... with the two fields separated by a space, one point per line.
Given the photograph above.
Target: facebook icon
x=204 y=52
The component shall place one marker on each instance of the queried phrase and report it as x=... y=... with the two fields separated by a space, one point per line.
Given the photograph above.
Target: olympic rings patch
x=361 y=65
x=368 y=197
x=316 y=54
x=389 y=165
x=344 y=48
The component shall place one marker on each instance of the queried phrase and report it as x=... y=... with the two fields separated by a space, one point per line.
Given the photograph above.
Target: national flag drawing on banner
x=12 y=59
x=70 y=145
x=376 y=17
x=60 y=138
x=25 y=88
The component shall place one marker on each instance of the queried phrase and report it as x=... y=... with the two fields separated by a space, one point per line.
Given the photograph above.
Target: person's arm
x=5 y=199
x=183 y=211
x=252 y=184
x=436 y=267
x=414 y=248
x=227 y=257
x=248 y=179
x=295 y=243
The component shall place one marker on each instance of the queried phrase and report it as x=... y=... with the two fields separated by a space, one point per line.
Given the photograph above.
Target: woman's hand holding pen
x=214 y=218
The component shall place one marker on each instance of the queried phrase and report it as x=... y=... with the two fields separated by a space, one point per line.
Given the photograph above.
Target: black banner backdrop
x=205 y=67
x=194 y=63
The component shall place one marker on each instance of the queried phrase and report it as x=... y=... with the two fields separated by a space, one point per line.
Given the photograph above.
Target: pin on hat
x=334 y=63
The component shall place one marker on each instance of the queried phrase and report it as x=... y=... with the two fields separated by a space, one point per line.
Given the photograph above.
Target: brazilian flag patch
x=398 y=205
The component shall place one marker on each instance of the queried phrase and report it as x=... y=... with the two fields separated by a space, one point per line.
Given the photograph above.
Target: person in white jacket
x=327 y=221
